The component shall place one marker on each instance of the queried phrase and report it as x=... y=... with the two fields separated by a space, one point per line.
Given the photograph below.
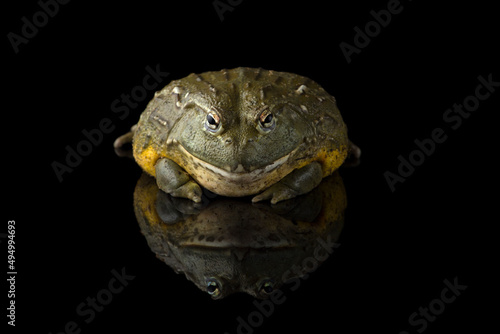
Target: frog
x=240 y=132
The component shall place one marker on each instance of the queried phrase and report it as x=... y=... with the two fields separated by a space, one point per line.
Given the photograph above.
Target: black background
x=397 y=247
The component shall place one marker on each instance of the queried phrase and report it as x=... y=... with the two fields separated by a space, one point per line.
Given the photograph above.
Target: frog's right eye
x=212 y=122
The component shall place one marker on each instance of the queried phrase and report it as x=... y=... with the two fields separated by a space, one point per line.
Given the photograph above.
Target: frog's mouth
x=235 y=181
x=236 y=171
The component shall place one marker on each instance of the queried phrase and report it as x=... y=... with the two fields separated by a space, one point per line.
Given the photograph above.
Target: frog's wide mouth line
x=239 y=171
x=237 y=244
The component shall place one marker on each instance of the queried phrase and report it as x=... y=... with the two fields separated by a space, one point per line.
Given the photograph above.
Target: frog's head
x=238 y=125
x=255 y=283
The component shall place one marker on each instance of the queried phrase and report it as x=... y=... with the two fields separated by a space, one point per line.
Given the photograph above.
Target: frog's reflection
x=226 y=245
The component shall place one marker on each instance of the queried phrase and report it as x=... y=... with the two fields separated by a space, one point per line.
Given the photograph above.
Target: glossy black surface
x=81 y=259
x=229 y=245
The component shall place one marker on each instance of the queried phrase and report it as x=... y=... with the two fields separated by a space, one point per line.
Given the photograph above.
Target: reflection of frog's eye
x=267 y=121
x=212 y=122
x=213 y=288
x=267 y=286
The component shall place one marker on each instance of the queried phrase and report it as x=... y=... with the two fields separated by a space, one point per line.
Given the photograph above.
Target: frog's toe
x=262 y=196
x=189 y=190
x=283 y=195
x=276 y=193
x=353 y=155
x=298 y=182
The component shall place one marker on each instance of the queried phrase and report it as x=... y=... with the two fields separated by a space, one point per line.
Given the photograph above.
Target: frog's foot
x=172 y=179
x=298 y=182
x=121 y=141
x=172 y=210
x=353 y=155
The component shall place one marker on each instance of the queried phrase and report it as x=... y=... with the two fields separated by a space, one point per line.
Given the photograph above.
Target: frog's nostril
x=228 y=141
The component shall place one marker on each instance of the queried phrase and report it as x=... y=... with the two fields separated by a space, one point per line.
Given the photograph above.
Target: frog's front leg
x=172 y=179
x=298 y=182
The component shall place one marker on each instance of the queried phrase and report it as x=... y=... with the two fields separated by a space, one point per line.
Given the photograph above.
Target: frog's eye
x=267 y=121
x=212 y=122
x=267 y=286
x=213 y=288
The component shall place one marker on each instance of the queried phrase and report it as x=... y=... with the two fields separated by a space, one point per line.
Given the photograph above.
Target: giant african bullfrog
x=240 y=132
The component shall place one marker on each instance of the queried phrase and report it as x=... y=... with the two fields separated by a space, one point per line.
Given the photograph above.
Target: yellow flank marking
x=331 y=161
x=147 y=160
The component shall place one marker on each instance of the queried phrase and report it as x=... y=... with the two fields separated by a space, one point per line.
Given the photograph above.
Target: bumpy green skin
x=241 y=158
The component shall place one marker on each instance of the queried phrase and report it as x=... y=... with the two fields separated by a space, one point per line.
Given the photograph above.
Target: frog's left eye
x=213 y=287
x=267 y=121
